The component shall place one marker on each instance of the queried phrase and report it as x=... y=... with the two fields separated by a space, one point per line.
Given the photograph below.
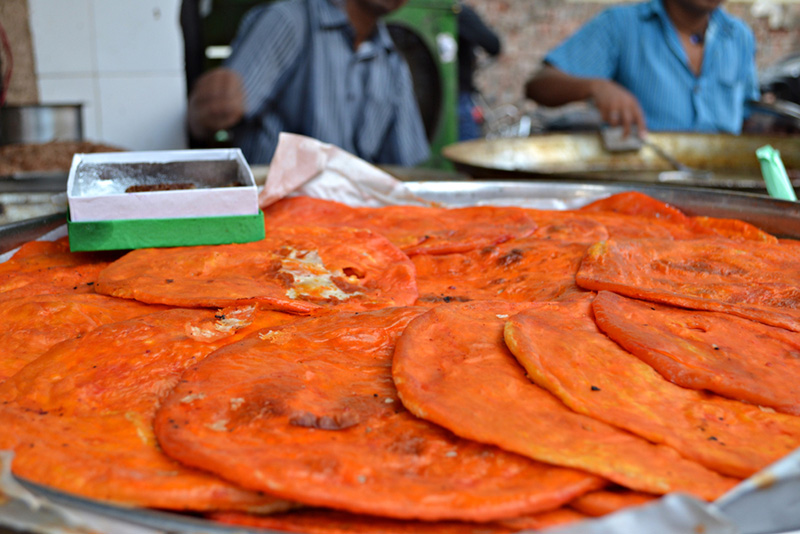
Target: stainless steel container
x=41 y=123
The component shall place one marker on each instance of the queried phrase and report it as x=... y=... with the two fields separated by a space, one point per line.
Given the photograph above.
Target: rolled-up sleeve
x=592 y=51
x=264 y=51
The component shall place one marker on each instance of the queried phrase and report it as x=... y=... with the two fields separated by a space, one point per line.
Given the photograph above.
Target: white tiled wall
x=122 y=59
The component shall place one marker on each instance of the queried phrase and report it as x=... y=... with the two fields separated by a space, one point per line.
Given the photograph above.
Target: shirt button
x=696 y=89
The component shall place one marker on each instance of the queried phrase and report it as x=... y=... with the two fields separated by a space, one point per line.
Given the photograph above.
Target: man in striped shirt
x=676 y=65
x=323 y=68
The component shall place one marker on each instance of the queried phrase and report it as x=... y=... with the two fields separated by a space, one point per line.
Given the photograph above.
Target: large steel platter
x=781 y=218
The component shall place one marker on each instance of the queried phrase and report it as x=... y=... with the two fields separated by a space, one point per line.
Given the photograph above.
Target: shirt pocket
x=727 y=96
x=727 y=65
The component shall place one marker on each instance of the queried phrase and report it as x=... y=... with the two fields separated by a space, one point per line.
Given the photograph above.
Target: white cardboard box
x=224 y=185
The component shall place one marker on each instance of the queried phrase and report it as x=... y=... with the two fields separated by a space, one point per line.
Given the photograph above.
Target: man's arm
x=216 y=103
x=618 y=107
x=222 y=97
x=472 y=28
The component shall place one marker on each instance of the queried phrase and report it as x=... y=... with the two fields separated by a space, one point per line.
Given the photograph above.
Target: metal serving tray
x=781 y=218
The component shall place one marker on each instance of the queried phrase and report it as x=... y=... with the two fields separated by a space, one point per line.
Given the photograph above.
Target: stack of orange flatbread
x=408 y=369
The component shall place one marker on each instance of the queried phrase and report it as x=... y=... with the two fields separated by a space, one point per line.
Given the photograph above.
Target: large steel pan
x=582 y=156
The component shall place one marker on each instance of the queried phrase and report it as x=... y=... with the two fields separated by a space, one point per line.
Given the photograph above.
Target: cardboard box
x=126 y=200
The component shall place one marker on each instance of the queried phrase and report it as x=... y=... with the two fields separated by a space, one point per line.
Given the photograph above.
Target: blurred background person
x=473 y=36
x=327 y=69
x=668 y=65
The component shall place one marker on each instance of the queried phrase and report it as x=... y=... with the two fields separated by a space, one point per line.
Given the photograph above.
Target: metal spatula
x=614 y=140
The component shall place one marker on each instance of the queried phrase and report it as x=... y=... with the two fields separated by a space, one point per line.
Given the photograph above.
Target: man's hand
x=618 y=106
x=553 y=87
x=216 y=103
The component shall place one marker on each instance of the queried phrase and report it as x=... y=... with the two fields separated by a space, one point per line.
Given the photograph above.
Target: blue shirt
x=638 y=47
x=302 y=75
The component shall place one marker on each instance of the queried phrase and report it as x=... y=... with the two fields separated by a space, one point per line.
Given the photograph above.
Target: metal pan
x=779 y=217
x=582 y=156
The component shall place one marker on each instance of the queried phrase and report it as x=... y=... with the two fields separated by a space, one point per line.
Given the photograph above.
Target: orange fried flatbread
x=633 y=215
x=751 y=279
x=551 y=519
x=563 y=351
x=76 y=279
x=79 y=418
x=295 y=269
x=640 y=205
x=305 y=210
x=309 y=413
x=733 y=357
x=520 y=270
x=733 y=229
x=41 y=255
x=323 y=521
x=415 y=229
x=49 y=268
x=607 y=501
x=452 y=367
x=624 y=226
x=31 y=325
x=568 y=226
x=460 y=229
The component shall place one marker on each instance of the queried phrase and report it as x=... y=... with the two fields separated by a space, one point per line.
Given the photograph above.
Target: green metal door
x=432 y=23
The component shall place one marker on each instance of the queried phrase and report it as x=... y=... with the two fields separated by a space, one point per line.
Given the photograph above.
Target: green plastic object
x=778 y=184
x=126 y=234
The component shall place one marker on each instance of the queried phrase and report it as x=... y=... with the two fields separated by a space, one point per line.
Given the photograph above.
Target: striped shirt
x=301 y=75
x=638 y=47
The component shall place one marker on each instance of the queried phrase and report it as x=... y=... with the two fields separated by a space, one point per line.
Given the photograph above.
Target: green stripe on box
x=126 y=234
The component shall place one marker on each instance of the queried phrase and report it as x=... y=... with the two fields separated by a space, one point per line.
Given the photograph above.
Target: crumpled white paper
x=303 y=165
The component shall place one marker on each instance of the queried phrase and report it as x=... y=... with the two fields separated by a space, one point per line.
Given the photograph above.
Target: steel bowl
x=41 y=123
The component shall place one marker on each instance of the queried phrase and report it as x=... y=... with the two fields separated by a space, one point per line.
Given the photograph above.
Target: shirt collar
x=719 y=20
x=333 y=15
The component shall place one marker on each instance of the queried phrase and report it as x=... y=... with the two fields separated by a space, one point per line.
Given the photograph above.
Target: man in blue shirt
x=323 y=68
x=677 y=65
